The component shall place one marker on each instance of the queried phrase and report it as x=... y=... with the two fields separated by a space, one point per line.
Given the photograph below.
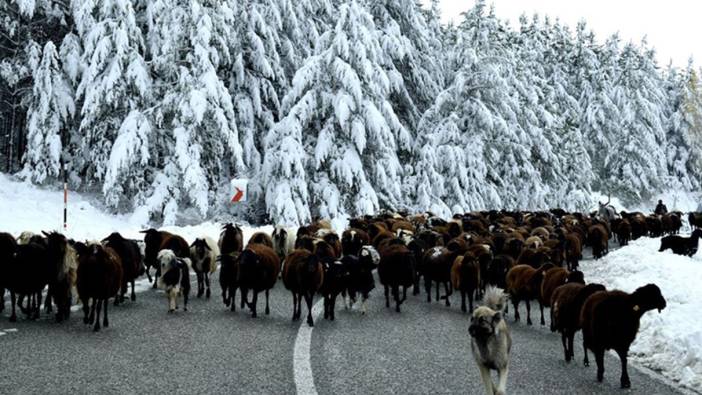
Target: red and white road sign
x=238 y=188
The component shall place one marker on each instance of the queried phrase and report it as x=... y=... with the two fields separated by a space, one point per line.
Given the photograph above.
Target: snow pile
x=27 y=207
x=670 y=342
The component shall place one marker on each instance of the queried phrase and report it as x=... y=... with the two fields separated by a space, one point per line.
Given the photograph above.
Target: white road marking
x=302 y=364
x=9 y=330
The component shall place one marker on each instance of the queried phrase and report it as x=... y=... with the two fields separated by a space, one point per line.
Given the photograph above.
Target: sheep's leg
x=200 y=287
x=624 y=380
x=470 y=301
x=502 y=381
x=85 y=302
x=254 y=302
x=133 y=296
x=564 y=340
x=105 y=322
x=448 y=293
x=294 y=306
x=207 y=283
x=91 y=318
x=427 y=288
x=515 y=303
x=299 y=305
x=268 y=310
x=171 y=302
x=186 y=294
x=487 y=380
x=332 y=306
x=37 y=309
x=13 y=317
x=396 y=296
x=599 y=359
x=463 y=301
x=586 y=361
x=541 y=306
x=308 y=301
x=47 y=302
x=147 y=269
x=244 y=297
x=571 y=336
x=387 y=296
x=96 y=328
x=326 y=306
x=415 y=290
x=225 y=299
x=363 y=306
x=528 y=304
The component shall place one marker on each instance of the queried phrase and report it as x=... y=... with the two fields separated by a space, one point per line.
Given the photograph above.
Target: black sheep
x=8 y=248
x=610 y=321
x=228 y=279
x=682 y=245
x=395 y=270
x=361 y=281
x=132 y=262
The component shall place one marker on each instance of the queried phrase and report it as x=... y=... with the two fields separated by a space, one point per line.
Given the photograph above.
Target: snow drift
x=670 y=342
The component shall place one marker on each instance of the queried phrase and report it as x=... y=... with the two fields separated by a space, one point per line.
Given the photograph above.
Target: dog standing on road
x=490 y=340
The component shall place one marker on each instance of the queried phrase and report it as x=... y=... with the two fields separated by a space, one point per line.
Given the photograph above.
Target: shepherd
x=661 y=208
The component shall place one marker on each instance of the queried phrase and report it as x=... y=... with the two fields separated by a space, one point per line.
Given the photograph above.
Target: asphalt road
x=208 y=349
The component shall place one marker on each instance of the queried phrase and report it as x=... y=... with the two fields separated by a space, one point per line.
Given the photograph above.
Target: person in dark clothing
x=661 y=208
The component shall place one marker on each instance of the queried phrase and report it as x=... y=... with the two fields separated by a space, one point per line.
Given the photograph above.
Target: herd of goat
x=533 y=256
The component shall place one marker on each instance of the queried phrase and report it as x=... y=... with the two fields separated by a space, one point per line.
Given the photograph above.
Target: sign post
x=65 y=196
x=239 y=190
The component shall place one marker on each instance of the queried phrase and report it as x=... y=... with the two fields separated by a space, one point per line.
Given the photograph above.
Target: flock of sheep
x=532 y=256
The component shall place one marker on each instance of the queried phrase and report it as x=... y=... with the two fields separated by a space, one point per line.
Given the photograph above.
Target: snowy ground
x=670 y=342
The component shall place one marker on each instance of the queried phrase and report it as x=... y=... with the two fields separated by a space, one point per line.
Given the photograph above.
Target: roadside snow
x=27 y=207
x=670 y=342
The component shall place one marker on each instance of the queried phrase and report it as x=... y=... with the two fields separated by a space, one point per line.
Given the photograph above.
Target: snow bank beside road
x=27 y=207
x=670 y=342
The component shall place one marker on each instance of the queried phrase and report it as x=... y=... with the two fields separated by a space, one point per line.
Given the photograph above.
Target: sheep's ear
x=207 y=247
x=45 y=233
x=636 y=307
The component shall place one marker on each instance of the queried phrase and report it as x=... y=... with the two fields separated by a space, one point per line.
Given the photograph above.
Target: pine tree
x=343 y=93
x=49 y=111
x=114 y=81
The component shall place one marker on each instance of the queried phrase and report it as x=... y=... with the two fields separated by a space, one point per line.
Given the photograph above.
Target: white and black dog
x=175 y=278
x=490 y=340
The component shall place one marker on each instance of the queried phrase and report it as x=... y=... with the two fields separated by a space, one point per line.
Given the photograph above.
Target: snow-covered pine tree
x=115 y=81
x=195 y=147
x=635 y=164
x=49 y=111
x=339 y=103
x=684 y=137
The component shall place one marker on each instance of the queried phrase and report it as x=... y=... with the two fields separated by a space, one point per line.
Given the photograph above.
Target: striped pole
x=65 y=197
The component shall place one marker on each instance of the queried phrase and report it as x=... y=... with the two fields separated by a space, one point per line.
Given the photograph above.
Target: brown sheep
x=132 y=261
x=599 y=240
x=99 y=278
x=261 y=238
x=553 y=279
x=534 y=257
x=302 y=276
x=465 y=277
x=524 y=283
x=395 y=270
x=573 y=250
x=566 y=302
x=258 y=269
x=610 y=321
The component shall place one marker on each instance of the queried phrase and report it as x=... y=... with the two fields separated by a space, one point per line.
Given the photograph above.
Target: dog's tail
x=495 y=298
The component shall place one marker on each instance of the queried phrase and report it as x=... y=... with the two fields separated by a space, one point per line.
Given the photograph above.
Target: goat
x=203 y=253
x=231 y=240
